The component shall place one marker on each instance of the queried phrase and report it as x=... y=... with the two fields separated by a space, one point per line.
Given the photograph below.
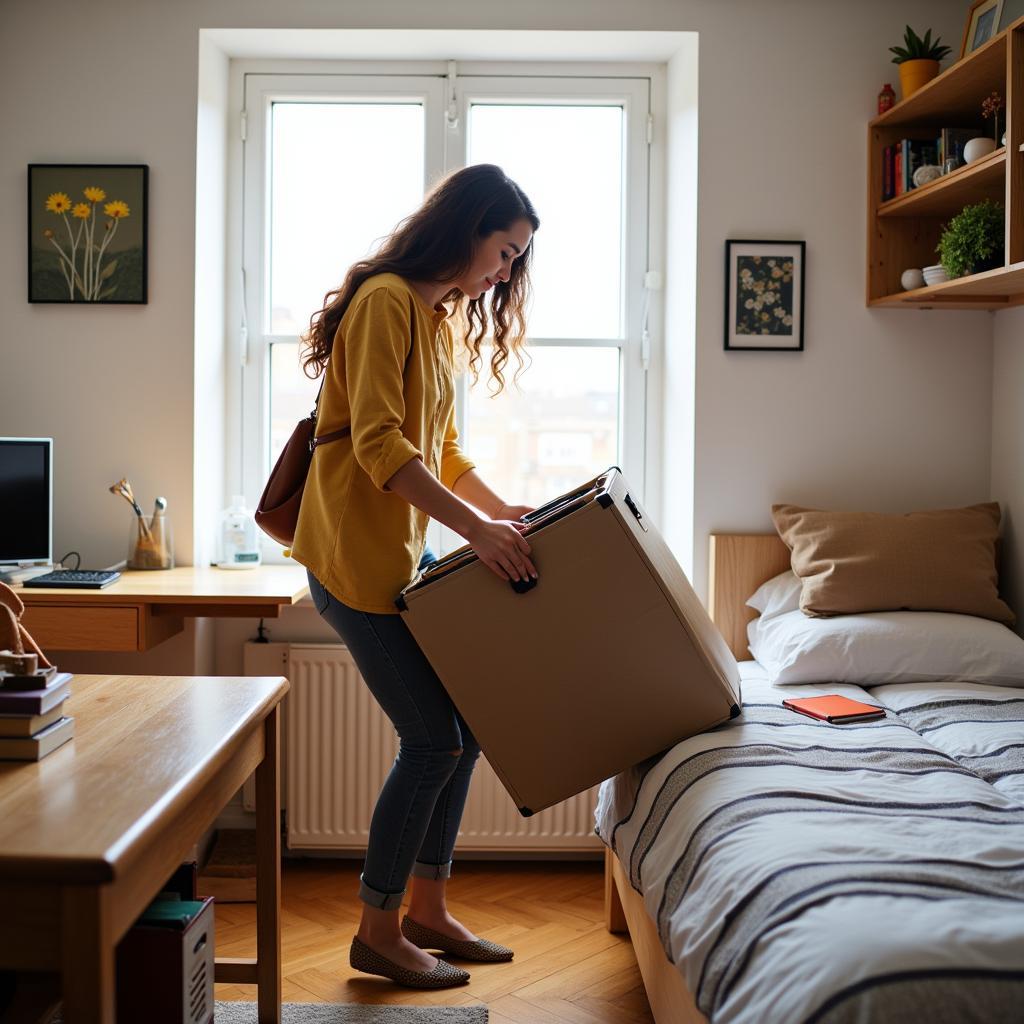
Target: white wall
x=885 y=410
x=1008 y=451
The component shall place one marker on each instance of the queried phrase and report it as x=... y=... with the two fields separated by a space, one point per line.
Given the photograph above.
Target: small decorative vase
x=915 y=73
x=911 y=279
x=975 y=149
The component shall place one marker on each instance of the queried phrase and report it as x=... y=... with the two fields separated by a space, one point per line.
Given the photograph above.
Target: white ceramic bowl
x=935 y=278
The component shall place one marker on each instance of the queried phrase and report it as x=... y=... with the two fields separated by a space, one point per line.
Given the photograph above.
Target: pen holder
x=150 y=544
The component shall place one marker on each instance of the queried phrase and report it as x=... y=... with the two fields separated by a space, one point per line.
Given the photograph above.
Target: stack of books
x=32 y=719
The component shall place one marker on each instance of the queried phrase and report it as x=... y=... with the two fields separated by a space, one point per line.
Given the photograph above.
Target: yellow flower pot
x=915 y=73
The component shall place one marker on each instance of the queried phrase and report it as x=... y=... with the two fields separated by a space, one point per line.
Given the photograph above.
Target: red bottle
x=886 y=98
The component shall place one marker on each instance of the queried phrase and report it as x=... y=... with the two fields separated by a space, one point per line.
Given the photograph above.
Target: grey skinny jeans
x=416 y=819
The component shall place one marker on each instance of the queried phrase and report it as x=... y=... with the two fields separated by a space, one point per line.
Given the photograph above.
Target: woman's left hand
x=511 y=513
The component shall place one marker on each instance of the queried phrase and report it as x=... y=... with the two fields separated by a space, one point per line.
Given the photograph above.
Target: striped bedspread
x=801 y=871
x=981 y=726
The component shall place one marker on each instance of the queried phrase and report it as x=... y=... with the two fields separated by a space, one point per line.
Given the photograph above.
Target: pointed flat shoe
x=367 y=960
x=476 y=949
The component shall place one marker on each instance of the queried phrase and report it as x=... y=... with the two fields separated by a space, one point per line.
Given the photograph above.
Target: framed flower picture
x=764 y=295
x=87 y=233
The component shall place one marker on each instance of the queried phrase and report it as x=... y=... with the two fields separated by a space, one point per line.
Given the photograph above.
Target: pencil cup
x=150 y=544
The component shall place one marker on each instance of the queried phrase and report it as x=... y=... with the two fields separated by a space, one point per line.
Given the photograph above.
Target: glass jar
x=150 y=543
x=238 y=545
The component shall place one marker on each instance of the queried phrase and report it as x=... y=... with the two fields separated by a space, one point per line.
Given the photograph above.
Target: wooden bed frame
x=738 y=564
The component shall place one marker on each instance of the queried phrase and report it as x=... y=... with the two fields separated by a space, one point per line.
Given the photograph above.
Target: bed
x=778 y=869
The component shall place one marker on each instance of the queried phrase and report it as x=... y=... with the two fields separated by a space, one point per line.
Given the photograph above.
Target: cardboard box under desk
x=608 y=659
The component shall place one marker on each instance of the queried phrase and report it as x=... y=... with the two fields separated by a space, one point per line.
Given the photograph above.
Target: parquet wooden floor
x=568 y=969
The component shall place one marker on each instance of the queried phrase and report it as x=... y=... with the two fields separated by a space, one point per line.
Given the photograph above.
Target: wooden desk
x=89 y=834
x=142 y=609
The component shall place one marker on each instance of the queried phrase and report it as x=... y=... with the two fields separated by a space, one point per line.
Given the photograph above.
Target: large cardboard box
x=608 y=659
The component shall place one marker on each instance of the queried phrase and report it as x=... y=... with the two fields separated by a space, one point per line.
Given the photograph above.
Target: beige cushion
x=851 y=562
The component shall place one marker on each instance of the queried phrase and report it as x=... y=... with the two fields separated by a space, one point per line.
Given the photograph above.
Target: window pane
x=343 y=175
x=568 y=160
x=292 y=394
x=556 y=430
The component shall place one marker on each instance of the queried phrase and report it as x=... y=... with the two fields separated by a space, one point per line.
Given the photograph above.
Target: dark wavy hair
x=437 y=243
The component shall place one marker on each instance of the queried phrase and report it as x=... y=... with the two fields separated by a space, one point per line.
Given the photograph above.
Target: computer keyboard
x=82 y=578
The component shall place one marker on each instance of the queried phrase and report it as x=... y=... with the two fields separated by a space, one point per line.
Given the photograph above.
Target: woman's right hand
x=500 y=545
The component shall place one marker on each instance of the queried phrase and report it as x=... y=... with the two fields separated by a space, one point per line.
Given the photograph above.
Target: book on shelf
x=34 y=748
x=36 y=702
x=916 y=153
x=29 y=725
x=888 y=190
x=951 y=142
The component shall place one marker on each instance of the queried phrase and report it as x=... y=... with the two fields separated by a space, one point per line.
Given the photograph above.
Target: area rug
x=230 y=1012
x=351 y=1013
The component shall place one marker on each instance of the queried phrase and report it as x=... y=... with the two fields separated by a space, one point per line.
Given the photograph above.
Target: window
x=332 y=163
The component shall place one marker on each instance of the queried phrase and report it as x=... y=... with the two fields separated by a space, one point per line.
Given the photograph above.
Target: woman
x=385 y=342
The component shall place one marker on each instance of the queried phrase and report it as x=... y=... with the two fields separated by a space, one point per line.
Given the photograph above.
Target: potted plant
x=973 y=240
x=918 y=60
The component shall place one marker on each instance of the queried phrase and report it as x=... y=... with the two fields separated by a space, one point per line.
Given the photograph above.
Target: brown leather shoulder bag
x=278 y=510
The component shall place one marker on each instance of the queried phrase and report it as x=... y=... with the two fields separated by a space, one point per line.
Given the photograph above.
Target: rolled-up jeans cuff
x=435 y=871
x=378 y=899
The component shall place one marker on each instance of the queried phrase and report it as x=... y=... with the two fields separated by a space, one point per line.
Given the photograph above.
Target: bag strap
x=334 y=435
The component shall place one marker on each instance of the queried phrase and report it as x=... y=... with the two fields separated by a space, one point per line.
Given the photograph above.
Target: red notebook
x=833 y=708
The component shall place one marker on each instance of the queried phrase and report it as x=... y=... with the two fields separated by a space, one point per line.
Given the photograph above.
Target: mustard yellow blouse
x=391 y=378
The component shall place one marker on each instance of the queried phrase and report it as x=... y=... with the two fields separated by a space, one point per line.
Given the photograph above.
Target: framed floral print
x=87 y=233
x=764 y=295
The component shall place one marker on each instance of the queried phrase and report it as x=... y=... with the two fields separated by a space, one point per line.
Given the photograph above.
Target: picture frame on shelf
x=764 y=295
x=1011 y=11
x=87 y=233
x=983 y=22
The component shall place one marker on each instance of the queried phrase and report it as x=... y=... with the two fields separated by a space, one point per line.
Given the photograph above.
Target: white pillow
x=778 y=595
x=886 y=647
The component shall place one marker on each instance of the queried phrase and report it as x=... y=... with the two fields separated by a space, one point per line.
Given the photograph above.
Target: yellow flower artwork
x=79 y=250
x=58 y=203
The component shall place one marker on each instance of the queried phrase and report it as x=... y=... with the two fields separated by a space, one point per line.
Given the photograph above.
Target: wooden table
x=142 y=609
x=89 y=834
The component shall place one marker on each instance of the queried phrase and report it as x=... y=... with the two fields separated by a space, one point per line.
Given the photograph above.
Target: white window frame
x=261 y=93
x=491 y=83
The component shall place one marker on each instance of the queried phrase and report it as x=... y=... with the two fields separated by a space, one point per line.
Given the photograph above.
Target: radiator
x=338 y=747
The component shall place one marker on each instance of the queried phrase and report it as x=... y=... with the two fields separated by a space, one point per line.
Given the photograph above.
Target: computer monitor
x=26 y=501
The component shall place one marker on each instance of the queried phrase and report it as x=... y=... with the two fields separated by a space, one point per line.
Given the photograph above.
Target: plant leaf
x=108 y=293
x=108 y=270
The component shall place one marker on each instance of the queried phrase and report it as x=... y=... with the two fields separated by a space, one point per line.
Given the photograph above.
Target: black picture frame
x=88 y=234
x=764 y=295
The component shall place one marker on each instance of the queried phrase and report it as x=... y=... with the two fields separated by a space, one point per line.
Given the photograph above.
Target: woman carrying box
x=386 y=342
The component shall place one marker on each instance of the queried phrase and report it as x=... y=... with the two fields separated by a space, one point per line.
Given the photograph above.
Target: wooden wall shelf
x=948 y=195
x=995 y=289
x=903 y=232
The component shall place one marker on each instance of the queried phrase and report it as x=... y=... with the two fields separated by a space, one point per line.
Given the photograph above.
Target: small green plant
x=972 y=238
x=917 y=48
